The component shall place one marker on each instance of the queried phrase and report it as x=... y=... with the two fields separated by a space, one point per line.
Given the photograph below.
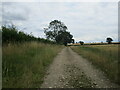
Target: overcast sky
x=87 y=21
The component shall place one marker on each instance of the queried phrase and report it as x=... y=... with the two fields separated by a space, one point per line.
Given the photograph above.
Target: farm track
x=70 y=70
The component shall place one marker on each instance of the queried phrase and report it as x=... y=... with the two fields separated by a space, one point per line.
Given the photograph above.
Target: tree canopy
x=109 y=40
x=81 y=42
x=10 y=34
x=56 y=31
x=64 y=37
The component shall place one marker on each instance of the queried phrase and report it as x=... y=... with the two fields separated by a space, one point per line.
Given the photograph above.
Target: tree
x=73 y=41
x=64 y=37
x=109 y=40
x=81 y=42
x=10 y=34
x=56 y=31
x=53 y=29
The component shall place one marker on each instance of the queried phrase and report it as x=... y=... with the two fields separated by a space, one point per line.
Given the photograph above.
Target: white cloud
x=60 y=0
x=86 y=21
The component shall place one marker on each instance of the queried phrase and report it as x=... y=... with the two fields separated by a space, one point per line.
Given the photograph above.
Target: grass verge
x=24 y=65
x=104 y=57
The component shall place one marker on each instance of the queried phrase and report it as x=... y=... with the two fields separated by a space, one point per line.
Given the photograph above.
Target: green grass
x=24 y=65
x=104 y=57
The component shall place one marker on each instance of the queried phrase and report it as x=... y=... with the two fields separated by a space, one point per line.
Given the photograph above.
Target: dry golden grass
x=104 y=57
x=24 y=65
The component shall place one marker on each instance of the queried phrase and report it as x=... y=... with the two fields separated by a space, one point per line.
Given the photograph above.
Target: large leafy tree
x=54 y=27
x=56 y=31
x=64 y=37
x=81 y=42
x=109 y=40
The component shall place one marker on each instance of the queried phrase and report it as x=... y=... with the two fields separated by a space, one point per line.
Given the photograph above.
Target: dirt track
x=70 y=70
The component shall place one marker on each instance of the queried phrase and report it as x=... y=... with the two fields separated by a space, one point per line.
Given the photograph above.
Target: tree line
x=56 y=33
x=10 y=34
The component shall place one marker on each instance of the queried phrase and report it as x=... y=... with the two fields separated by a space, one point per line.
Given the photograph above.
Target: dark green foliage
x=54 y=27
x=56 y=31
x=10 y=34
x=109 y=40
x=81 y=42
x=73 y=41
x=63 y=37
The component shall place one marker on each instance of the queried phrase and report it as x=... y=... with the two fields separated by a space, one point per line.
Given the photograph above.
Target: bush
x=10 y=34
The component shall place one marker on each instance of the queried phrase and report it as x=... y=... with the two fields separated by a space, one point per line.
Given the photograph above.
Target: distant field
x=105 y=43
x=24 y=65
x=104 y=57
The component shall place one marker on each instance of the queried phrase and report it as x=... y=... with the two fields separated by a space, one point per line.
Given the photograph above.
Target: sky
x=86 y=21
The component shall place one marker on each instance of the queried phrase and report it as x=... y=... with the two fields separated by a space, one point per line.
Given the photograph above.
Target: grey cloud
x=86 y=21
x=15 y=11
x=14 y=16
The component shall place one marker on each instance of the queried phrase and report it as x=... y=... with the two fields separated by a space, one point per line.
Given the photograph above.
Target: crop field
x=24 y=65
x=104 y=57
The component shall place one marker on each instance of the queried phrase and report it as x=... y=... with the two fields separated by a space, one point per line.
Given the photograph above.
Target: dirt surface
x=70 y=70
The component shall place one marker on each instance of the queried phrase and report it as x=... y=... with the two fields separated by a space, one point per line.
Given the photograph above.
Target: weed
x=24 y=65
x=104 y=57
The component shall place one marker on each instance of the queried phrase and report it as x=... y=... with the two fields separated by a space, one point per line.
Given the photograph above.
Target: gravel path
x=70 y=70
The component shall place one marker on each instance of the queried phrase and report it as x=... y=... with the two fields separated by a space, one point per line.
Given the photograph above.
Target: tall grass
x=24 y=65
x=104 y=57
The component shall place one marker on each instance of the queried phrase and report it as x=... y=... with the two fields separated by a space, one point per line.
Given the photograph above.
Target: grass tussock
x=24 y=65
x=104 y=57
